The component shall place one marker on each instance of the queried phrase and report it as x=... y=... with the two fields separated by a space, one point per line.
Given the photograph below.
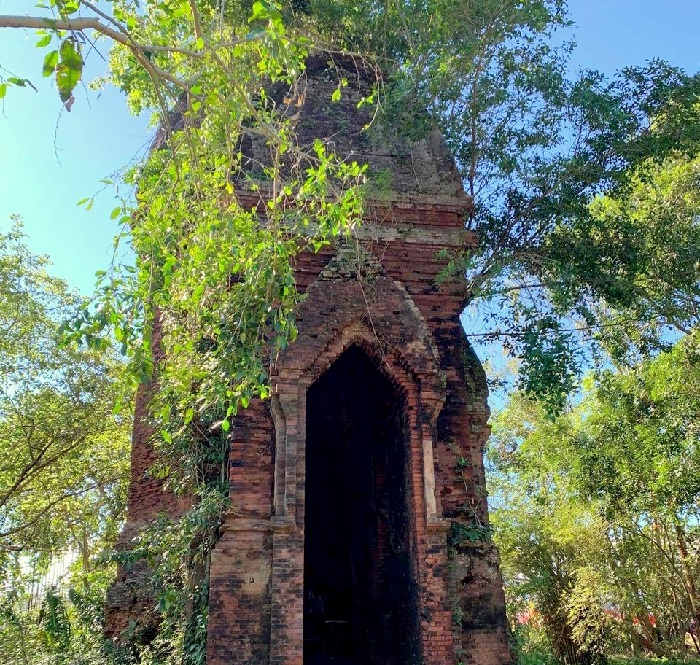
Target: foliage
x=639 y=458
x=596 y=512
x=585 y=192
x=544 y=534
x=640 y=439
x=566 y=268
x=64 y=453
x=63 y=473
x=529 y=644
x=45 y=623
x=176 y=552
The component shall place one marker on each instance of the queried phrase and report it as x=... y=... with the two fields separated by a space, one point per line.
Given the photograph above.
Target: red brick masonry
x=375 y=293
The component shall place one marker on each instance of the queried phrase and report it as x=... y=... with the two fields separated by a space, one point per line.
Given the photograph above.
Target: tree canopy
x=553 y=161
x=596 y=513
x=585 y=196
x=64 y=463
x=64 y=460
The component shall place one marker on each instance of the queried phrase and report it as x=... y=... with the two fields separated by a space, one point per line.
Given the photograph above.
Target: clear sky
x=49 y=159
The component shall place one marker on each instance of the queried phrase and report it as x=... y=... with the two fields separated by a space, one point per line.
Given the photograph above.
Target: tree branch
x=91 y=23
x=197 y=22
x=45 y=509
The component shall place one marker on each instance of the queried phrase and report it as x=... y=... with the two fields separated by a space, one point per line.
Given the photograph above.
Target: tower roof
x=399 y=168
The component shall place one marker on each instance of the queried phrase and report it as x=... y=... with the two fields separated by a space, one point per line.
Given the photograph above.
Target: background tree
x=550 y=539
x=638 y=457
x=63 y=470
x=596 y=513
x=567 y=174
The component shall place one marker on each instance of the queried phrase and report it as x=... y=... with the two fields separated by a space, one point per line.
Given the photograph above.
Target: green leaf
x=17 y=81
x=68 y=7
x=44 y=41
x=3 y=90
x=69 y=71
x=259 y=11
x=116 y=212
x=50 y=62
x=225 y=425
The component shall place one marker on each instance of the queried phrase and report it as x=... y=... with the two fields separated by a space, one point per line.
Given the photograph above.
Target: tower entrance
x=360 y=592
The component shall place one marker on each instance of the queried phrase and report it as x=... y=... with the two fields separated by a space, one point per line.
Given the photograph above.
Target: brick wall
x=376 y=291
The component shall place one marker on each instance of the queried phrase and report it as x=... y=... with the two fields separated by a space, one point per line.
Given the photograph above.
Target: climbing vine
x=469 y=526
x=210 y=298
x=213 y=268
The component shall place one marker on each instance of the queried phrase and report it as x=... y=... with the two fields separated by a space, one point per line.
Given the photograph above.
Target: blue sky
x=49 y=159
x=614 y=33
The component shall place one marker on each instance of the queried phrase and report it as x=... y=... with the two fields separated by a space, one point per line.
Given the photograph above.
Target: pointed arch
x=383 y=320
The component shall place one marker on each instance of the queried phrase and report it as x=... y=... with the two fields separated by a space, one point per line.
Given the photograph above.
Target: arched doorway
x=360 y=591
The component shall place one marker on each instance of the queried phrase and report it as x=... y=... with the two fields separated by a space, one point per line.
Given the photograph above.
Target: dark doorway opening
x=360 y=594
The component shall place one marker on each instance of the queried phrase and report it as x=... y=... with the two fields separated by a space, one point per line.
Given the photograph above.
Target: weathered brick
x=409 y=329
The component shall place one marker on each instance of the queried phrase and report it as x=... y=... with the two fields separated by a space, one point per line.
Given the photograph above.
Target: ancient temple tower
x=357 y=533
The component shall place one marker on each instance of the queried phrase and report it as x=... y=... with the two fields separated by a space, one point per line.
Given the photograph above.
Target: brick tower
x=357 y=530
